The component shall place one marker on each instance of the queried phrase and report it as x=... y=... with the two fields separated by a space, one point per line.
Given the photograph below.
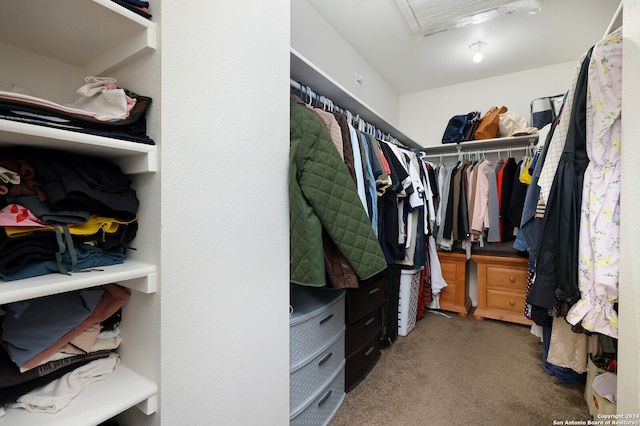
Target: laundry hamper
x=408 y=300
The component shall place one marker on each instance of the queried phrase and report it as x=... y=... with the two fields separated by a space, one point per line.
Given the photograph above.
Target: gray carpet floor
x=460 y=371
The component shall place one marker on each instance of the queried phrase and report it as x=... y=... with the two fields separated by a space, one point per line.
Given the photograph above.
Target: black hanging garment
x=508 y=174
x=557 y=262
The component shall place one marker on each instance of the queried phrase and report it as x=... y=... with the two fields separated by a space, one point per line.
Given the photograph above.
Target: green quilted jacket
x=322 y=194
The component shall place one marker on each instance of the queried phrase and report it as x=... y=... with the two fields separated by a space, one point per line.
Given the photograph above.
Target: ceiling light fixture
x=428 y=17
x=535 y=10
x=476 y=48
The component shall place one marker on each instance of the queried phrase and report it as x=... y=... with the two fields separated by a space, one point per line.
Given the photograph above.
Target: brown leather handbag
x=488 y=127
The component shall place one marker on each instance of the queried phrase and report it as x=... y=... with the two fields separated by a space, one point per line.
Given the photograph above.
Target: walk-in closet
x=488 y=277
x=207 y=310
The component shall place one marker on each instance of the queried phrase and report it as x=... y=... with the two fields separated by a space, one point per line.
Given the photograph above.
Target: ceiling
x=562 y=31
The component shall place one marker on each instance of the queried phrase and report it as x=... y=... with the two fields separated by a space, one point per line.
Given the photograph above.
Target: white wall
x=629 y=337
x=314 y=38
x=425 y=114
x=225 y=223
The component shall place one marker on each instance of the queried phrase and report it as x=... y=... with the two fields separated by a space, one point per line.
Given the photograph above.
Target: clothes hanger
x=308 y=98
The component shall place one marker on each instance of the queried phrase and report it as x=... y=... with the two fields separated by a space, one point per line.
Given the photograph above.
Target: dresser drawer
x=506 y=301
x=454 y=274
x=361 y=363
x=364 y=300
x=502 y=288
x=450 y=275
x=363 y=331
x=317 y=318
x=305 y=382
x=454 y=271
x=449 y=269
x=506 y=277
x=325 y=405
x=450 y=292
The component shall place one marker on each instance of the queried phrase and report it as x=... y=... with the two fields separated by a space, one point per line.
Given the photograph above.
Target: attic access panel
x=427 y=17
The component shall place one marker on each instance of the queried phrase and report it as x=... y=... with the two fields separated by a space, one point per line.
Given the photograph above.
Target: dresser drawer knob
x=512 y=302
x=370 y=320
x=368 y=352
x=512 y=279
x=374 y=290
x=322 y=321
x=325 y=359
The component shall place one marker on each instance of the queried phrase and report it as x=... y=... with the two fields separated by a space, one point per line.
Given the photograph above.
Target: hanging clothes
x=347 y=148
x=388 y=208
x=357 y=166
x=599 y=249
x=509 y=171
x=556 y=265
x=530 y=226
x=370 y=181
x=391 y=184
x=556 y=146
x=323 y=195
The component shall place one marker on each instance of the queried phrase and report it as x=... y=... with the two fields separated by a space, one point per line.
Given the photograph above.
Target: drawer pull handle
x=324 y=398
x=512 y=302
x=325 y=359
x=512 y=279
x=370 y=321
x=368 y=352
x=374 y=290
x=322 y=321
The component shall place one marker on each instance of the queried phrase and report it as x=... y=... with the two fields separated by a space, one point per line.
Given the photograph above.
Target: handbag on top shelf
x=460 y=128
x=488 y=127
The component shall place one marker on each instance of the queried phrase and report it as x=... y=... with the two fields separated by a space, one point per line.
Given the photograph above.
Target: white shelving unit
x=49 y=44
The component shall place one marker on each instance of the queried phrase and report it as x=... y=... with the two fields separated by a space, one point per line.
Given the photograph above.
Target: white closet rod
x=613 y=20
x=306 y=90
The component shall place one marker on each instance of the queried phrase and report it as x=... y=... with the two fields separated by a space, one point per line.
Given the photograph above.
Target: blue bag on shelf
x=455 y=130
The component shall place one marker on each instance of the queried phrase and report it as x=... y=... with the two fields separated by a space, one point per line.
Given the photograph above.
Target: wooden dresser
x=502 y=286
x=453 y=297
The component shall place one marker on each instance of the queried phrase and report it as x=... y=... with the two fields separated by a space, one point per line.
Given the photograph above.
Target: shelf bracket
x=149 y=405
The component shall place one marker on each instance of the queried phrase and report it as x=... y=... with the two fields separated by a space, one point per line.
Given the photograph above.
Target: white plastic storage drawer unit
x=316 y=353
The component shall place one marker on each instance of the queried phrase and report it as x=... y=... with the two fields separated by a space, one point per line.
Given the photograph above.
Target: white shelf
x=96 y=35
x=98 y=402
x=496 y=143
x=132 y=157
x=132 y=274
